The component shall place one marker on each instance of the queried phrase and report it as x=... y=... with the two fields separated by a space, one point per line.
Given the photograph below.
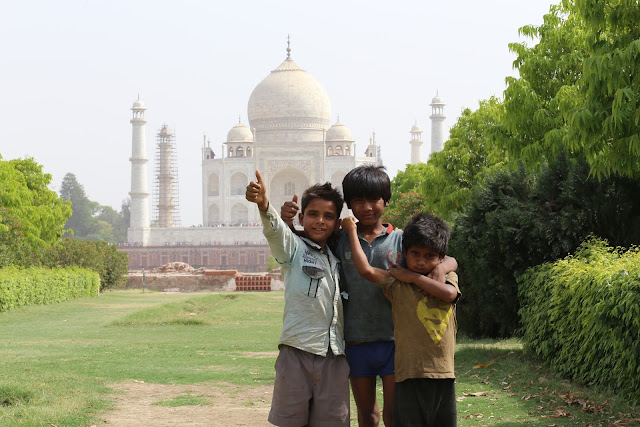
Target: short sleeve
x=452 y=279
x=386 y=285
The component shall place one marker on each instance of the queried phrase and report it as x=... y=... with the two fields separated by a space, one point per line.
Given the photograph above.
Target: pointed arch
x=213 y=185
x=238 y=183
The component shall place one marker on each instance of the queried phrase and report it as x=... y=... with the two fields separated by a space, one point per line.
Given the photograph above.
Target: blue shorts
x=371 y=359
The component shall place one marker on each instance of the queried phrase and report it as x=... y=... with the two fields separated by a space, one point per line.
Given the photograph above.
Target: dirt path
x=222 y=405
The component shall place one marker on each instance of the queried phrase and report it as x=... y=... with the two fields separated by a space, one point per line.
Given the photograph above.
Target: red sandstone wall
x=245 y=258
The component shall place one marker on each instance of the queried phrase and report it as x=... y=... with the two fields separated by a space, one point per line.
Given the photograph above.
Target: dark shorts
x=310 y=389
x=423 y=402
x=371 y=359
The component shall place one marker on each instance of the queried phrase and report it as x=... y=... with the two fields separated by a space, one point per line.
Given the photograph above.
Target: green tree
x=31 y=215
x=578 y=90
x=533 y=126
x=101 y=257
x=466 y=159
x=82 y=221
x=405 y=206
x=446 y=180
x=519 y=220
x=606 y=125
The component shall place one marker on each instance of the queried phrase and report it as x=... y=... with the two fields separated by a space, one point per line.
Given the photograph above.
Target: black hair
x=368 y=181
x=427 y=231
x=323 y=191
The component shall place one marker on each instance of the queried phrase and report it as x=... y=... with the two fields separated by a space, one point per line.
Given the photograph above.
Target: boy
x=311 y=385
x=424 y=325
x=368 y=321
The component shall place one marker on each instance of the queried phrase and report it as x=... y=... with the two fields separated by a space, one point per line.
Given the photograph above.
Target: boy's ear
x=386 y=204
x=300 y=217
x=338 y=224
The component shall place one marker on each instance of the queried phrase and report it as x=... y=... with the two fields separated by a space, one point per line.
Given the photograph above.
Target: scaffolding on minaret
x=166 y=196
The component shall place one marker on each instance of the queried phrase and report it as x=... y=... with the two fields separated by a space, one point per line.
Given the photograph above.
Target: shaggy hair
x=427 y=231
x=367 y=181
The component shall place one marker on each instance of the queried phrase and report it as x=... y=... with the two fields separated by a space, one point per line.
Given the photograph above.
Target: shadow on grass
x=496 y=384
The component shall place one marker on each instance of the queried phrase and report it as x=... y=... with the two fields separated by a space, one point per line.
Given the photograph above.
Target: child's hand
x=257 y=192
x=438 y=274
x=402 y=274
x=289 y=210
x=349 y=224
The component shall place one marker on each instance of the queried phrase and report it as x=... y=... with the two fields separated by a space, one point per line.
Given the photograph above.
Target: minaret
x=166 y=179
x=416 y=144
x=373 y=150
x=139 y=193
x=438 y=131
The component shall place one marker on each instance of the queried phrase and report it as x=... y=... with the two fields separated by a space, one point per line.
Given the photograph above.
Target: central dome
x=289 y=98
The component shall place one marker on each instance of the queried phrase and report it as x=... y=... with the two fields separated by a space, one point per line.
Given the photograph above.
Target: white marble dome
x=240 y=133
x=138 y=105
x=289 y=98
x=165 y=131
x=416 y=127
x=437 y=100
x=339 y=132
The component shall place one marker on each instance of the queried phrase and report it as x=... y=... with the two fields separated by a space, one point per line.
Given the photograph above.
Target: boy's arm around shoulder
x=370 y=273
x=449 y=264
x=443 y=291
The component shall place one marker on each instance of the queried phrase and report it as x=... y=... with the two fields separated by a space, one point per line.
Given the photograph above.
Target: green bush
x=581 y=315
x=101 y=257
x=34 y=285
x=518 y=220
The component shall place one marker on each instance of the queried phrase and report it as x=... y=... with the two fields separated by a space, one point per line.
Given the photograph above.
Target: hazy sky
x=71 y=70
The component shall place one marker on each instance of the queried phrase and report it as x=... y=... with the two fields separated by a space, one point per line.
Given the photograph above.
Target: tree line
x=37 y=225
x=527 y=178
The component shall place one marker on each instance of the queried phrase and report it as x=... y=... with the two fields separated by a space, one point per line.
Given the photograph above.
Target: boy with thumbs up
x=312 y=373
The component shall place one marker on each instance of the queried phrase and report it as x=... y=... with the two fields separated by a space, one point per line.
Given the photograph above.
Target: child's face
x=422 y=260
x=320 y=220
x=368 y=211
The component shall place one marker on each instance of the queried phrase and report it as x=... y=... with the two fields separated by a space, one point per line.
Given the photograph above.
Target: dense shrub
x=19 y=287
x=582 y=316
x=101 y=257
x=518 y=220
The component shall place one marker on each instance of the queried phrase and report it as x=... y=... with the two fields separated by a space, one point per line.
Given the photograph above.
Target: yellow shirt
x=425 y=330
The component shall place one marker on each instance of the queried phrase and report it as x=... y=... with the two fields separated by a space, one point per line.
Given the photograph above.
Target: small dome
x=339 y=132
x=138 y=105
x=165 y=131
x=437 y=100
x=240 y=133
x=416 y=127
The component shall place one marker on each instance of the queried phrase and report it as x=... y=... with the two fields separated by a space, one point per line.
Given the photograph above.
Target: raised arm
x=282 y=241
x=370 y=273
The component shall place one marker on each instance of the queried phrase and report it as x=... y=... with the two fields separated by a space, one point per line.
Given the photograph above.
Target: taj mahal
x=289 y=138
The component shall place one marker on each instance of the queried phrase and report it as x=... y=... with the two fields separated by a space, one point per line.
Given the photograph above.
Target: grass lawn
x=56 y=361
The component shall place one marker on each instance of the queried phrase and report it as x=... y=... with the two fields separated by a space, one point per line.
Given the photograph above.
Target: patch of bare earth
x=228 y=405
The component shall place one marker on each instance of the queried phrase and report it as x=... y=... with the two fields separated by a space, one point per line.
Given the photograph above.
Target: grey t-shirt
x=367 y=312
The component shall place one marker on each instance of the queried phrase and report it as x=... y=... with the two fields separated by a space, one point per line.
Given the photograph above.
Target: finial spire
x=288 y=46
x=338 y=118
x=239 y=121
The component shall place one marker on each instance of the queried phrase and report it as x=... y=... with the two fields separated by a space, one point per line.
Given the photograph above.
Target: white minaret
x=438 y=131
x=416 y=144
x=139 y=223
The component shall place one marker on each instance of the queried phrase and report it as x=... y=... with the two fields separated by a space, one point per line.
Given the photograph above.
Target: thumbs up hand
x=289 y=210
x=257 y=192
